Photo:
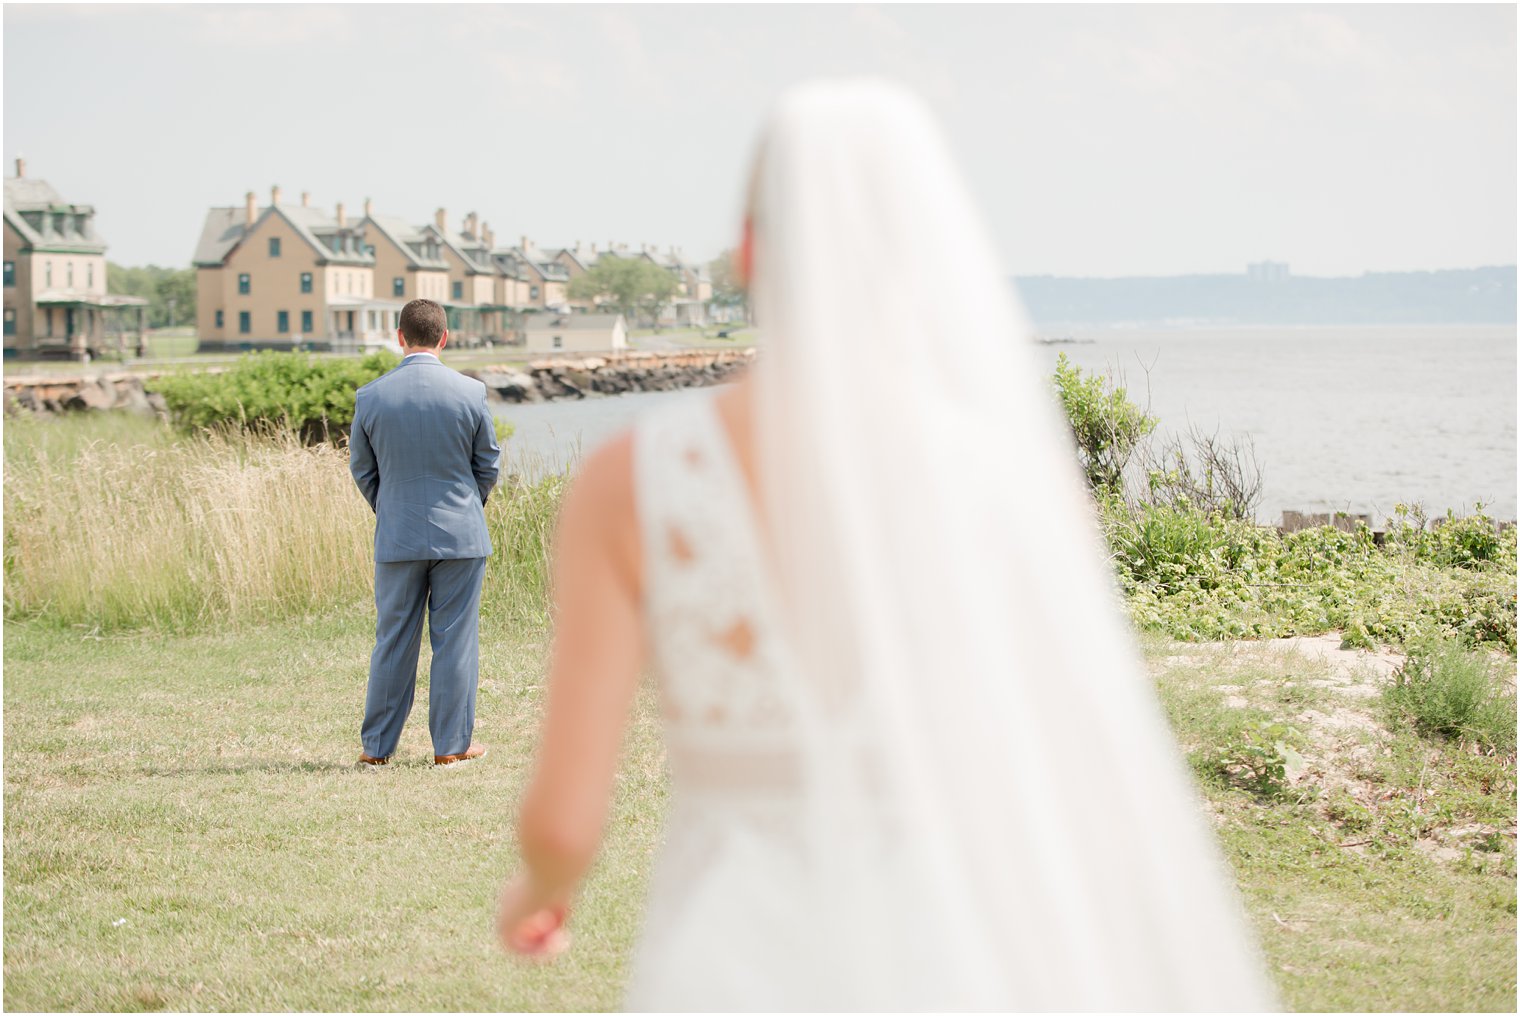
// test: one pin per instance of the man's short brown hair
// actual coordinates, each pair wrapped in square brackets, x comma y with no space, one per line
[423,323]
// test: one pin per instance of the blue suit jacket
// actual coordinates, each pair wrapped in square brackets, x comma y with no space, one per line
[423,452]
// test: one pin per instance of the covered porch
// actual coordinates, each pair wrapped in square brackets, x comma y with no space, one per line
[84,327]
[360,324]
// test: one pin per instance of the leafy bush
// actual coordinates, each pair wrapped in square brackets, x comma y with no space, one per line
[1198,576]
[1107,425]
[270,391]
[1263,760]
[1444,690]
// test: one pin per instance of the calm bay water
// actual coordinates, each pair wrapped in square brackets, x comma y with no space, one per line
[1347,419]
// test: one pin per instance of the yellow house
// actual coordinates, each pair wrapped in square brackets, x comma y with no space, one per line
[475,314]
[409,262]
[288,276]
[55,279]
[544,280]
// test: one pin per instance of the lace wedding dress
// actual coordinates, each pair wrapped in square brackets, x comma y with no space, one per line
[915,762]
[718,931]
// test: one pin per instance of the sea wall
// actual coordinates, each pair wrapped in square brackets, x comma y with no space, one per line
[611,374]
[74,393]
[566,377]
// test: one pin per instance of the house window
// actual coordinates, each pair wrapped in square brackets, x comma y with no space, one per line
[89,275]
[10,321]
[245,322]
[68,271]
[459,290]
[10,273]
[282,322]
[306,322]
[559,343]
[533,293]
[306,282]
[274,246]
[47,274]
[398,286]
[244,285]
[219,319]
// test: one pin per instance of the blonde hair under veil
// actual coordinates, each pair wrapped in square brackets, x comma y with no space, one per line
[998,816]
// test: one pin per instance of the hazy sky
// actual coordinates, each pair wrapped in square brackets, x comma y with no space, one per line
[1100,140]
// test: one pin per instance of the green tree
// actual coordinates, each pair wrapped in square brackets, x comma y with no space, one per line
[1107,425]
[631,285]
[727,289]
[170,292]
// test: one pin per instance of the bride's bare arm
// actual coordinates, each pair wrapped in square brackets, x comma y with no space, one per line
[598,655]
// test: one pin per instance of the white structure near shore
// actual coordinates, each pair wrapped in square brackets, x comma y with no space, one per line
[581,333]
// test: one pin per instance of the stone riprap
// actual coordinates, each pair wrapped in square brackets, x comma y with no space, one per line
[611,374]
[75,393]
[542,380]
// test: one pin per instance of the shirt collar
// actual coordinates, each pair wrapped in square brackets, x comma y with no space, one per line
[412,356]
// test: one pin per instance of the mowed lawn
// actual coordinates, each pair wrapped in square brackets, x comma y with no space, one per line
[185,829]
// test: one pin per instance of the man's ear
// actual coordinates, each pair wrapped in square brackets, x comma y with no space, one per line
[445,340]
[400,339]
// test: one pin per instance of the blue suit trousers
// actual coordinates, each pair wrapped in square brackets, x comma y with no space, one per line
[448,591]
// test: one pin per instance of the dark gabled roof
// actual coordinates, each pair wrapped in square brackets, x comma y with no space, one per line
[225,228]
[546,269]
[30,205]
[321,229]
[473,253]
[403,235]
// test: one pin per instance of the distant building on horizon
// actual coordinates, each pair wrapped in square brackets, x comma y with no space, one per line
[1267,271]
[56,302]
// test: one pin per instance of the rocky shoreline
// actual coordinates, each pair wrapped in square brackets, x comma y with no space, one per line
[542,380]
[610,374]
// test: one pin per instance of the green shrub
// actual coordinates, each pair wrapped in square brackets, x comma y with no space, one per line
[270,391]
[1445,690]
[1107,425]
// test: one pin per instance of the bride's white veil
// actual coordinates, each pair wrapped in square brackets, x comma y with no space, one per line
[974,696]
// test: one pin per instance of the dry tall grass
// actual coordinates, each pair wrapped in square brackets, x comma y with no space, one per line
[221,528]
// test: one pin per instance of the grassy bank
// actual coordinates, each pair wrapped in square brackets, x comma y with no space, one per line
[184,828]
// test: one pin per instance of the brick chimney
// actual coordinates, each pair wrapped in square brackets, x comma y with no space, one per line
[486,236]
[253,209]
[526,244]
[306,199]
[274,194]
[441,217]
[342,219]
[20,168]
[472,225]
[368,208]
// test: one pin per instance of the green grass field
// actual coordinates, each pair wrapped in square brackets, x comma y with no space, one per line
[185,829]
[186,646]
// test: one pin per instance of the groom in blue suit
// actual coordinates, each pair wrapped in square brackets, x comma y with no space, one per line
[423,452]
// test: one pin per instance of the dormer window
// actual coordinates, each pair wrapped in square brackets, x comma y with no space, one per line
[60,224]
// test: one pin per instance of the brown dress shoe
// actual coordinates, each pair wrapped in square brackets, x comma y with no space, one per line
[471,753]
[370,760]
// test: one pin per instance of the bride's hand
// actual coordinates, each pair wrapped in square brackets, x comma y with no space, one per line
[529,924]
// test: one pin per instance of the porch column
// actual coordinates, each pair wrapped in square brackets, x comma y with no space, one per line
[78,338]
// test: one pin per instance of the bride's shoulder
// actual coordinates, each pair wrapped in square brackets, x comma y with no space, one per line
[599,506]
